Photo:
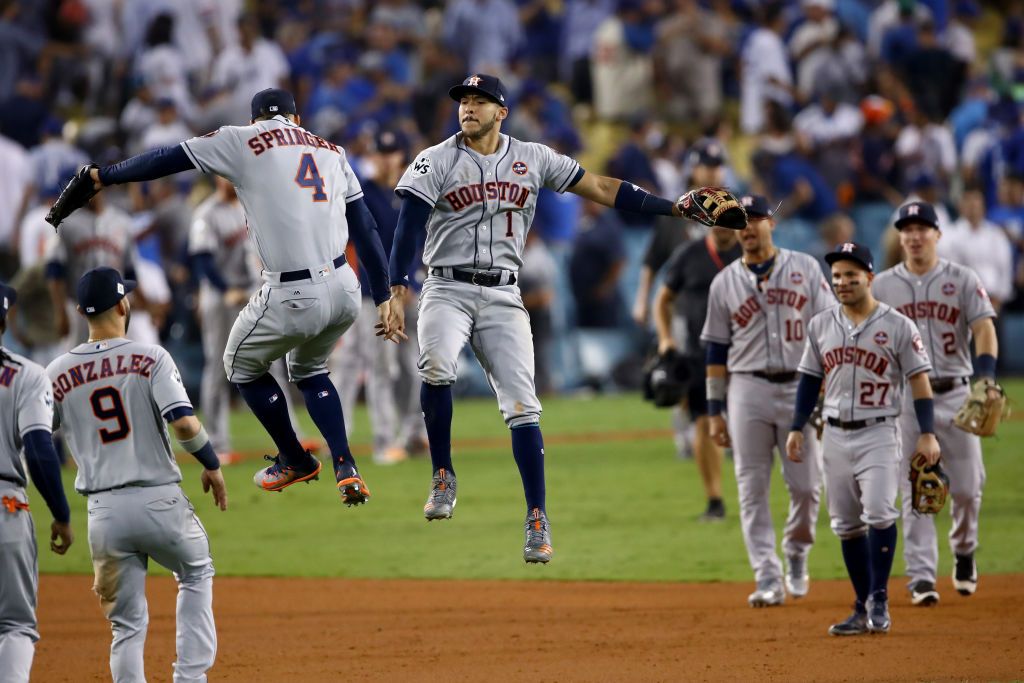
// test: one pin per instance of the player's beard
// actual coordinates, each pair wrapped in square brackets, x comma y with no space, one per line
[485,128]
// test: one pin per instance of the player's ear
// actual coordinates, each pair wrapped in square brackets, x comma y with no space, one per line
[297,119]
[503,113]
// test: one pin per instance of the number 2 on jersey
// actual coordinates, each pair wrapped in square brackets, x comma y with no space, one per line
[107,405]
[308,176]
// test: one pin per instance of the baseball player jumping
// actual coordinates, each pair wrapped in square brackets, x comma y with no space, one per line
[866,352]
[475,194]
[114,396]
[302,202]
[26,417]
[950,306]
[758,310]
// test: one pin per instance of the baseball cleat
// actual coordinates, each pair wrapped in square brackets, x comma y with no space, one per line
[538,538]
[878,615]
[923,594]
[351,486]
[279,476]
[965,574]
[855,625]
[441,501]
[714,513]
[769,593]
[797,581]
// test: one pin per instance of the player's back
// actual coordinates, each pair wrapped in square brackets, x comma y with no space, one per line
[88,240]
[25,404]
[293,185]
[111,397]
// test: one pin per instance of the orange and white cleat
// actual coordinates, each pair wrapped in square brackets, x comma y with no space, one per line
[279,476]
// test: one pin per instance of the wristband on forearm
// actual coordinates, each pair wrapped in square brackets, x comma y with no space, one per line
[985,366]
[807,391]
[924,408]
[635,199]
[714,388]
[200,447]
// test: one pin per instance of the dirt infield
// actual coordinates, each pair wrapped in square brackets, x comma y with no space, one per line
[331,630]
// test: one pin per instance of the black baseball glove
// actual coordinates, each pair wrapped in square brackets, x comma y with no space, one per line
[714,207]
[665,379]
[79,190]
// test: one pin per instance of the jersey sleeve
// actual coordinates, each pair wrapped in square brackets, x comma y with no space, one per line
[354,190]
[168,390]
[216,152]
[35,401]
[424,176]
[557,170]
[717,327]
[810,361]
[912,354]
[974,299]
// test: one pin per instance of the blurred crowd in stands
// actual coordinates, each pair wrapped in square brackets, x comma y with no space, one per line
[840,110]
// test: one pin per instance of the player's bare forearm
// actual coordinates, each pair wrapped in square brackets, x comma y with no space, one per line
[663,318]
[920,387]
[716,371]
[597,188]
[985,339]
[186,427]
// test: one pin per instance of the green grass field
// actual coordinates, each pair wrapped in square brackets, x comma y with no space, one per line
[620,509]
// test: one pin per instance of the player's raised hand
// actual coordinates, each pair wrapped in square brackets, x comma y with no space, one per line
[61,537]
[928,446]
[719,431]
[214,479]
[795,446]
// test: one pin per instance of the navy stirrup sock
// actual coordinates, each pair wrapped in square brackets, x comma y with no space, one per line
[324,406]
[528,450]
[436,402]
[882,551]
[856,555]
[265,399]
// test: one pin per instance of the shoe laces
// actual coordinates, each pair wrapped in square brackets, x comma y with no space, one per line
[278,467]
[441,487]
[536,528]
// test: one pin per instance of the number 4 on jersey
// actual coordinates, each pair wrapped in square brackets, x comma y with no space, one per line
[308,176]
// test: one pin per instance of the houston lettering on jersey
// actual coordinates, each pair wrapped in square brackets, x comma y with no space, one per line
[776,296]
[935,310]
[7,373]
[98,244]
[91,371]
[288,137]
[845,355]
[477,193]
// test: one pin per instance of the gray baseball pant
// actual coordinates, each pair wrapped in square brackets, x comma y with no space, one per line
[19,578]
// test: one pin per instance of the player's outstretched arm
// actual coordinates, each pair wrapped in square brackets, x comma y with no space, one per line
[806,397]
[194,439]
[44,467]
[924,408]
[618,194]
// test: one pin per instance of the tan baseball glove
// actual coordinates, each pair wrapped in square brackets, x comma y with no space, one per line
[713,207]
[929,486]
[981,413]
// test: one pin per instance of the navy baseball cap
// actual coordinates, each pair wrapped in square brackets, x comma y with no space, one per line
[387,141]
[851,251]
[8,295]
[917,212]
[481,84]
[271,102]
[757,206]
[101,288]
[708,154]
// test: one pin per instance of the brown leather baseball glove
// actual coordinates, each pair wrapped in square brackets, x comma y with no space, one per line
[713,207]
[981,413]
[929,486]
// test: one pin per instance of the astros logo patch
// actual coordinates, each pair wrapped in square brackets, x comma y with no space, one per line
[949,289]
[796,278]
[520,168]
[881,338]
[982,293]
[918,344]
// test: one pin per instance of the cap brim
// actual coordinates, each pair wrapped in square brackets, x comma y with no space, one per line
[914,219]
[832,257]
[459,91]
[129,286]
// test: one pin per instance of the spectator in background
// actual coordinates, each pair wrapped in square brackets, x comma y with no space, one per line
[484,33]
[542,28]
[877,175]
[49,162]
[161,66]
[887,15]
[982,246]
[933,76]
[622,67]
[251,65]
[925,147]
[827,132]
[634,163]
[581,21]
[900,38]
[959,35]
[537,282]
[842,65]
[137,116]
[595,267]
[691,44]
[20,48]
[835,230]
[810,43]
[404,16]
[765,74]
[16,170]
[1009,214]
[168,129]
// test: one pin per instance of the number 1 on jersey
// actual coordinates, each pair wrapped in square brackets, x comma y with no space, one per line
[308,176]
[508,224]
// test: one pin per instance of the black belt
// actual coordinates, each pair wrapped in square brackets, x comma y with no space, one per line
[776,377]
[12,480]
[304,274]
[475,278]
[944,385]
[856,424]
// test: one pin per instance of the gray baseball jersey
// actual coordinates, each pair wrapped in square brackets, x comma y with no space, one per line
[944,303]
[26,400]
[218,228]
[112,396]
[87,240]
[865,366]
[483,205]
[765,327]
[294,225]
